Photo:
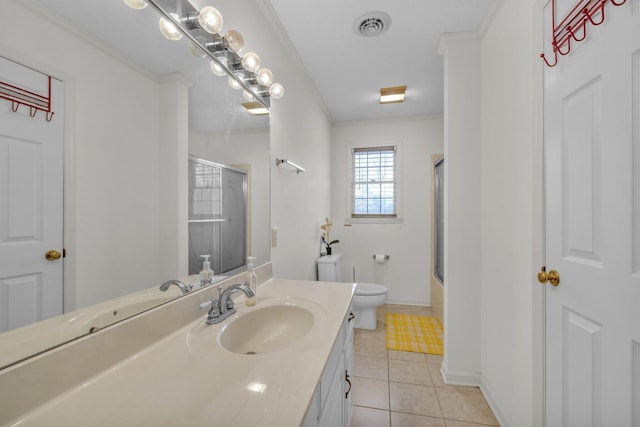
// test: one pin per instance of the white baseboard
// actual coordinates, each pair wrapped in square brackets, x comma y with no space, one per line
[488,395]
[474,380]
[459,378]
[405,301]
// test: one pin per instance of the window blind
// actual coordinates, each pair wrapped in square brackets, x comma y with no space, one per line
[373,184]
[206,193]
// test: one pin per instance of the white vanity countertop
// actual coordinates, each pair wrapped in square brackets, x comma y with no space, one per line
[187,379]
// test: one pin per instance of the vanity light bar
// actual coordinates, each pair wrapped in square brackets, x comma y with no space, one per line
[181,14]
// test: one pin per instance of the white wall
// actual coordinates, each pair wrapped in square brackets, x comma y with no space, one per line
[509,351]
[462,292]
[300,131]
[511,172]
[112,183]
[299,202]
[407,273]
[173,145]
[250,147]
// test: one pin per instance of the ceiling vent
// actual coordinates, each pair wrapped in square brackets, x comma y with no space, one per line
[372,24]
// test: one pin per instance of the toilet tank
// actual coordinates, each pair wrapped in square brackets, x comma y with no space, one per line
[330,268]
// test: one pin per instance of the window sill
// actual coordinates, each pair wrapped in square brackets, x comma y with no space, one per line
[349,221]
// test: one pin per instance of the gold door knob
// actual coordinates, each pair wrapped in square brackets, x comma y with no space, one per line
[52,255]
[552,276]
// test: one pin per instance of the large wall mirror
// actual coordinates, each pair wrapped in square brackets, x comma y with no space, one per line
[136,106]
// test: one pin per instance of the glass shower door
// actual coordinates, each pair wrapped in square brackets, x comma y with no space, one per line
[217,215]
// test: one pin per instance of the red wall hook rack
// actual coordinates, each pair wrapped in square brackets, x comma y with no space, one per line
[19,96]
[573,27]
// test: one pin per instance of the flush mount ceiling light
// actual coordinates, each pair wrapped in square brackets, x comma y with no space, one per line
[202,28]
[390,95]
[372,24]
[255,108]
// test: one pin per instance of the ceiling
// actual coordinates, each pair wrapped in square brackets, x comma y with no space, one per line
[348,69]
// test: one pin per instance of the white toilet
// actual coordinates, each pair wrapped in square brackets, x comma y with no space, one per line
[367,297]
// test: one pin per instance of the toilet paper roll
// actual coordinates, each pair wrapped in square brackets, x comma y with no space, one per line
[380,258]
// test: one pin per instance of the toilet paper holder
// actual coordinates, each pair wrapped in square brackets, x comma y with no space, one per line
[385,257]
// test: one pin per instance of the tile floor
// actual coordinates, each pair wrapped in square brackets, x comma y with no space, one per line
[404,389]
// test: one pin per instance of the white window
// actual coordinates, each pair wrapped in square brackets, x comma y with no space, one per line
[206,191]
[374,182]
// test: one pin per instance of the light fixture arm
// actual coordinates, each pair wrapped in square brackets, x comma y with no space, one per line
[187,22]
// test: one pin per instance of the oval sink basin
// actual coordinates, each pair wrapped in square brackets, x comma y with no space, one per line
[264,330]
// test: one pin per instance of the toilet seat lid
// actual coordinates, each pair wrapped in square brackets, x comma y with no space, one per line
[368,289]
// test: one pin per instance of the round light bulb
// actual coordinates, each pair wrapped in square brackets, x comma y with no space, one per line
[265,77]
[234,83]
[195,50]
[168,29]
[251,62]
[233,41]
[217,69]
[136,4]
[276,91]
[248,95]
[210,20]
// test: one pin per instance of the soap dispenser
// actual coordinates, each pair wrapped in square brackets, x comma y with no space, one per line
[206,275]
[252,281]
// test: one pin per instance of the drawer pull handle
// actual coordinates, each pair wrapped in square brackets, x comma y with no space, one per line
[346,377]
[351,316]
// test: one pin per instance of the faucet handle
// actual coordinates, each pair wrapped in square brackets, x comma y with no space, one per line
[214,311]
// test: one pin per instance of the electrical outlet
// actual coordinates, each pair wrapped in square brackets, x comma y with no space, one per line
[274,237]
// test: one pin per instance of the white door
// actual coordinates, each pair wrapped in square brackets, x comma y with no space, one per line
[31,183]
[592,165]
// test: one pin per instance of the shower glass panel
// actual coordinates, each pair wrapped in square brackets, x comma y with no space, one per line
[217,216]
[439,220]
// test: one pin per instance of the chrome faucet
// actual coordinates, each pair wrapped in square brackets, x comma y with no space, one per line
[222,307]
[184,288]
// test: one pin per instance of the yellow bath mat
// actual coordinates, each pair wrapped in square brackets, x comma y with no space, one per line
[420,334]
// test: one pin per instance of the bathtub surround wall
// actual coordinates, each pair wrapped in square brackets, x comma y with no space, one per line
[406,273]
[113,162]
